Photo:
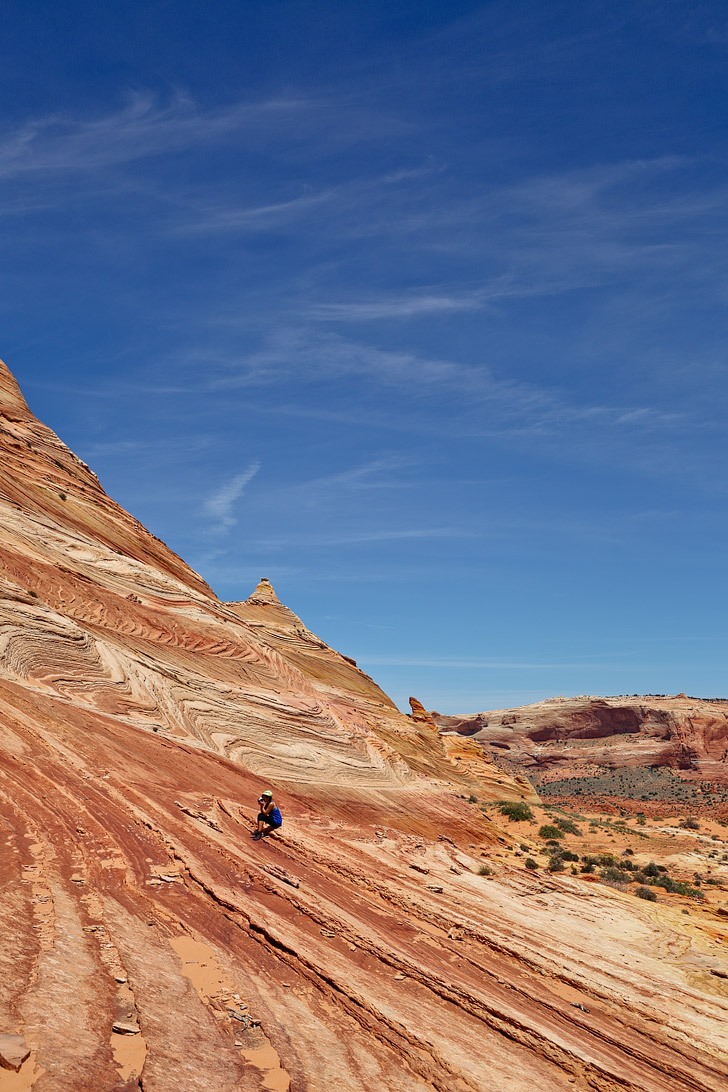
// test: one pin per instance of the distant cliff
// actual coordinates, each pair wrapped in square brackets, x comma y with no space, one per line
[567,738]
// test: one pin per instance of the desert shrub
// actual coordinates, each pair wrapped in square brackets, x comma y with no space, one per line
[645,893]
[690,823]
[485,870]
[549,832]
[531,864]
[628,853]
[588,867]
[615,875]
[556,864]
[517,810]
[525,848]
[567,855]
[651,869]
[34,594]
[568,826]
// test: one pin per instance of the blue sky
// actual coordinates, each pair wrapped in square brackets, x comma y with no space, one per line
[418,309]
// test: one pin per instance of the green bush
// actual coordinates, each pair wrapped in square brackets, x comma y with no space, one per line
[645,893]
[615,875]
[568,826]
[485,870]
[516,810]
[531,864]
[549,832]
[651,869]
[556,864]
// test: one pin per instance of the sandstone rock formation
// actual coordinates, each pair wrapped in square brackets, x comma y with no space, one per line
[561,736]
[147,942]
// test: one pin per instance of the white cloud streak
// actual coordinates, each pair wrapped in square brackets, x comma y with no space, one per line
[142,129]
[364,536]
[219,506]
[496,665]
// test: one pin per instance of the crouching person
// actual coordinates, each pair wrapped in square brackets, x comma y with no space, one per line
[269,816]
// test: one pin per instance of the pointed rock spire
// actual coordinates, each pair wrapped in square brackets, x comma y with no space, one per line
[10,393]
[265,593]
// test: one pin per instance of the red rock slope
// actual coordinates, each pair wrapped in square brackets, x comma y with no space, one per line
[147,942]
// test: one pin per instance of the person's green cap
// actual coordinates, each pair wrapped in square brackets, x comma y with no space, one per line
[266,792]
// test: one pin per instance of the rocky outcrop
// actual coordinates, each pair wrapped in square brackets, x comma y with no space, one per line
[562,736]
[147,941]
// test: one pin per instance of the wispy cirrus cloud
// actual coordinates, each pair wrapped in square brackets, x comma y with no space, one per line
[150,127]
[145,128]
[310,357]
[219,506]
[364,536]
[447,662]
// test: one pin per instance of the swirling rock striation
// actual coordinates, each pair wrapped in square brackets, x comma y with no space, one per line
[148,943]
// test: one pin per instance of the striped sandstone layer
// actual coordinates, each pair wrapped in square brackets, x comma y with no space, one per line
[148,943]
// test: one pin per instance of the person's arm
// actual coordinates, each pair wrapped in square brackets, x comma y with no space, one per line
[268,808]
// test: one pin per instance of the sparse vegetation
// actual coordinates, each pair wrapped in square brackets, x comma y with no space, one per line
[531,865]
[568,826]
[549,832]
[485,870]
[638,783]
[646,893]
[516,810]
[615,875]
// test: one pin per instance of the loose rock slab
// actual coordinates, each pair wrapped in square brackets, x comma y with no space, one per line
[13,1051]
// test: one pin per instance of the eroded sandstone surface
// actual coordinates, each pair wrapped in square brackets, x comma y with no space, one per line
[147,942]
